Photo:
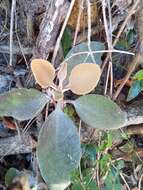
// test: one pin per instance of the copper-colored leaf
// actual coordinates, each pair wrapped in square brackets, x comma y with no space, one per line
[84,78]
[43,72]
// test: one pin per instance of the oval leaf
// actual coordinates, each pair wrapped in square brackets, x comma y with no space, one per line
[74,57]
[22,104]
[135,89]
[58,149]
[43,72]
[139,75]
[99,112]
[84,78]
[10,175]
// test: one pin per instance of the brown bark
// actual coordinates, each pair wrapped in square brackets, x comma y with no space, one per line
[134,113]
[49,28]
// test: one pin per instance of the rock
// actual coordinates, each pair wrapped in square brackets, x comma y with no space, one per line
[5,82]
[3,130]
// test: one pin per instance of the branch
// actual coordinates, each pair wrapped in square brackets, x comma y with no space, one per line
[16,145]
[13,6]
[16,50]
[49,29]
[134,113]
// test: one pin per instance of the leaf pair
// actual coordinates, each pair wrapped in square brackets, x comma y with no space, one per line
[82,80]
[87,76]
[95,110]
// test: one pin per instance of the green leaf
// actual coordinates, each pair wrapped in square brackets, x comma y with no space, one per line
[120,165]
[90,183]
[135,89]
[22,104]
[89,152]
[70,111]
[122,45]
[58,149]
[77,186]
[66,41]
[10,175]
[112,181]
[85,56]
[87,182]
[131,36]
[99,112]
[109,141]
[104,164]
[139,75]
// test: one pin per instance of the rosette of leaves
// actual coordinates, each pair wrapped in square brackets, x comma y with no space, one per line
[58,150]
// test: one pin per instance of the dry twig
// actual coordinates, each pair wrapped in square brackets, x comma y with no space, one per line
[62,31]
[13,6]
[131,12]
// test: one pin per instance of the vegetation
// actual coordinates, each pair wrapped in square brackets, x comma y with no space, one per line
[71,95]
